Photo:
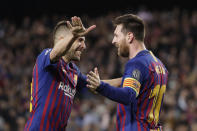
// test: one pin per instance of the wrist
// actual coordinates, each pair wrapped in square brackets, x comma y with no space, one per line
[101,86]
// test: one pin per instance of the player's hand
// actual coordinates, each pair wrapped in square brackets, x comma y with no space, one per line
[77,28]
[93,80]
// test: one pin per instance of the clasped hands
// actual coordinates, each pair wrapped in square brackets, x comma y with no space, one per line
[93,80]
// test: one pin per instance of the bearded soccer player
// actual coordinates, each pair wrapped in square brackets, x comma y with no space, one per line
[56,77]
[144,81]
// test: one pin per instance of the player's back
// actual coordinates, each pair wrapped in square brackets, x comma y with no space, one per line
[144,112]
[151,94]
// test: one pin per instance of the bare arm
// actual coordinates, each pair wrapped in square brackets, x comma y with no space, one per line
[114,82]
[61,48]
[75,30]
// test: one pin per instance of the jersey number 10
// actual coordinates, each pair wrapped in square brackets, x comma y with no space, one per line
[157,95]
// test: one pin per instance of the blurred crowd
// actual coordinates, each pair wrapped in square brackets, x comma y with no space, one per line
[171,35]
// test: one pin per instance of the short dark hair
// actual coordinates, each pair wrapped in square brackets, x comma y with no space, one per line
[131,23]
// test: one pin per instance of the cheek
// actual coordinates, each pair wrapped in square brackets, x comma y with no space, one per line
[123,46]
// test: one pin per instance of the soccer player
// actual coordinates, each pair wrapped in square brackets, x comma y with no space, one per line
[55,78]
[144,81]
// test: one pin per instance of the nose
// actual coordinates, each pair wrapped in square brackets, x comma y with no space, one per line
[113,41]
[83,45]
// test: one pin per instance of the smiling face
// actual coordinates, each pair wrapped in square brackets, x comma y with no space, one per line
[74,53]
[120,42]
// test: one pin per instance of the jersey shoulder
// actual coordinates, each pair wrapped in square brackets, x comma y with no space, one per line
[45,52]
[75,67]
[137,62]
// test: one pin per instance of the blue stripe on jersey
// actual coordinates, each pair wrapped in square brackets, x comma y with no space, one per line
[51,109]
[57,114]
[69,111]
[49,105]
[63,110]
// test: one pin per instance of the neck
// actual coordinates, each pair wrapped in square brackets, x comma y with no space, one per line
[66,59]
[135,48]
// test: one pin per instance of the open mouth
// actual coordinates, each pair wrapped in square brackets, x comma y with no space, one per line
[79,49]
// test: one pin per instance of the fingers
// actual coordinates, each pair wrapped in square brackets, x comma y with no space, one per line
[88,30]
[91,87]
[78,28]
[92,82]
[96,71]
[79,21]
[96,76]
[69,25]
[74,21]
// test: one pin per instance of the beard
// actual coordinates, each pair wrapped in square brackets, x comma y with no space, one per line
[123,49]
[75,55]
[124,52]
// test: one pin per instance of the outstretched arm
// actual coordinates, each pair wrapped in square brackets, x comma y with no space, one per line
[124,95]
[73,32]
[114,82]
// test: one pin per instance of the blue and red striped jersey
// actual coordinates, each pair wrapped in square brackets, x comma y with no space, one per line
[147,76]
[53,89]
[141,93]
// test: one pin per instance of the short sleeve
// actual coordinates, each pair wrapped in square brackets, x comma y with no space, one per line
[44,59]
[134,76]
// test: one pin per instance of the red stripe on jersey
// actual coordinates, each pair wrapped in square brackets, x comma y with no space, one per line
[117,129]
[72,78]
[68,111]
[67,105]
[36,102]
[57,108]
[64,115]
[46,105]
[138,126]
[62,93]
[124,116]
[151,101]
[149,90]
[69,100]
[144,104]
[119,116]
[52,106]
[65,98]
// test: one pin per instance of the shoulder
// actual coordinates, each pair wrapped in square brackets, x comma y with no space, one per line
[135,63]
[45,52]
[75,67]
[163,66]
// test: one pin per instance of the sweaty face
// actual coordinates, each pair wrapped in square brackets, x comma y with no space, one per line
[119,41]
[76,49]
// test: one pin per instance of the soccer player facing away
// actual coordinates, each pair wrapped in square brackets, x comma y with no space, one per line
[144,81]
[56,77]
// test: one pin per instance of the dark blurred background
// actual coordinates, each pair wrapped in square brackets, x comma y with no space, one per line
[35,8]
[25,30]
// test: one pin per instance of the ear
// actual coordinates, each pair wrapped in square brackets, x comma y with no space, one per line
[130,37]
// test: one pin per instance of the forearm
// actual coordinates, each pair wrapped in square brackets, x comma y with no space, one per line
[121,95]
[114,82]
[61,48]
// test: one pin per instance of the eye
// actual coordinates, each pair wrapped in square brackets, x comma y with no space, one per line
[81,39]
